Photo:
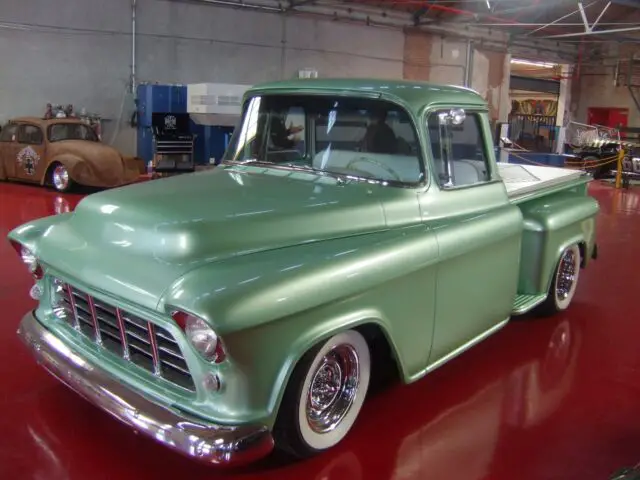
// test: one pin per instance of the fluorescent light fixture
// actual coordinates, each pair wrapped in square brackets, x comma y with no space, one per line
[533,64]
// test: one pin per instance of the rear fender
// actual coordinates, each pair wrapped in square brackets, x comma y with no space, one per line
[551,224]
[74,165]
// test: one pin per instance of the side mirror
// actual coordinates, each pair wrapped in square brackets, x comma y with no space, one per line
[455,116]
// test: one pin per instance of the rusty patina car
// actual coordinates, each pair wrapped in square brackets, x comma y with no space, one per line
[61,153]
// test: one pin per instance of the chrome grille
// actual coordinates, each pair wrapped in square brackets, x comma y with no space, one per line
[134,339]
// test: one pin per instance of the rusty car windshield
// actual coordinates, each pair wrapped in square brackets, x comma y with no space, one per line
[71,131]
[353,137]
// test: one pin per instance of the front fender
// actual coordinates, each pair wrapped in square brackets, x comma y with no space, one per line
[30,233]
[271,307]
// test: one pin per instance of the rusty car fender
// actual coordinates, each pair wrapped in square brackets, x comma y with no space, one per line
[71,162]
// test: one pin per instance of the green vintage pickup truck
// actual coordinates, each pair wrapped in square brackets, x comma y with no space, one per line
[354,226]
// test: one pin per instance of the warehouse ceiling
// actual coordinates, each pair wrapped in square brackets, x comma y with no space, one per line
[559,20]
[589,30]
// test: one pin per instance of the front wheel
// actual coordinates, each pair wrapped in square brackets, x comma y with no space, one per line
[324,395]
[564,282]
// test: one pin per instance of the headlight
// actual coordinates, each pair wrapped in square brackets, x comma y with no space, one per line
[203,338]
[29,259]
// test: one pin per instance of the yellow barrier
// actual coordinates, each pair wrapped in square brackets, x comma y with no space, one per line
[619,172]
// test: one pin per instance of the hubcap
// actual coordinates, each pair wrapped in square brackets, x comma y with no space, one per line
[566,275]
[60,177]
[333,388]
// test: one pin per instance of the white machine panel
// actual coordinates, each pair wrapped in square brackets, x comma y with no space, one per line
[215,103]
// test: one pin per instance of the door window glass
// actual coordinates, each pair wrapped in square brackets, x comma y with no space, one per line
[30,135]
[458,150]
[8,132]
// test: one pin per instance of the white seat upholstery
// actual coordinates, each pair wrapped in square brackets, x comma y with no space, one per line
[406,168]
[468,172]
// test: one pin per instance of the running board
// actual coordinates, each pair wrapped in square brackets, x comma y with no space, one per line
[526,303]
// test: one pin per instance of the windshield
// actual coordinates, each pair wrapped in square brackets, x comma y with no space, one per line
[71,131]
[365,138]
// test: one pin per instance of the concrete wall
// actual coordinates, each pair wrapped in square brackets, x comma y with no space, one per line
[79,52]
[595,89]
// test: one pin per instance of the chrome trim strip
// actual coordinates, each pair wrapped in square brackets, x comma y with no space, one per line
[94,319]
[76,317]
[123,335]
[154,348]
[195,438]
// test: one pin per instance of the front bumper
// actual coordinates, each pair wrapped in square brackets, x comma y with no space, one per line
[205,442]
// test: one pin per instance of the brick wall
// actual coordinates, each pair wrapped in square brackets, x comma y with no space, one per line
[429,57]
[417,55]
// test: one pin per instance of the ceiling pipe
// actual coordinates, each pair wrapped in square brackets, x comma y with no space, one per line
[468,66]
[501,21]
[133,46]
[375,17]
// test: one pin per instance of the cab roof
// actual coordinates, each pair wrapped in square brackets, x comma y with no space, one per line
[415,94]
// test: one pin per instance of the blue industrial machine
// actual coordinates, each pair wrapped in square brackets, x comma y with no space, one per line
[152,99]
[210,142]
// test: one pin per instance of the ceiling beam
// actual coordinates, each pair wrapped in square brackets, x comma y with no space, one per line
[627,3]
[595,32]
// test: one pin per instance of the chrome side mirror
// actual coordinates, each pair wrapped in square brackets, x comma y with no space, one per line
[455,116]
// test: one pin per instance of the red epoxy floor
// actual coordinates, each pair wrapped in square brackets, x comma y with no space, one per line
[543,399]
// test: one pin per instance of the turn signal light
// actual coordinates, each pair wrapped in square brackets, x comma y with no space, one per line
[203,338]
[28,258]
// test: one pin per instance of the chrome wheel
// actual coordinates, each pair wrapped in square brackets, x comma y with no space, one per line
[566,278]
[566,275]
[334,383]
[60,178]
[333,388]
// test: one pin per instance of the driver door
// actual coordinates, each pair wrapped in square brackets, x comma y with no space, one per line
[478,232]
[29,160]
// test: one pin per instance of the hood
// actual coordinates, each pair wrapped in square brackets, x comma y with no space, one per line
[148,232]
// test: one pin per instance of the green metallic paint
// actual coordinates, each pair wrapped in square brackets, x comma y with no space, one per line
[552,224]
[277,261]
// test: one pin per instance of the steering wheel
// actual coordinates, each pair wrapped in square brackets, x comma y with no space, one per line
[376,163]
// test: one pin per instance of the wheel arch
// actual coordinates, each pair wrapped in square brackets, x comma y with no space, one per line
[372,327]
[574,240]
[69,161]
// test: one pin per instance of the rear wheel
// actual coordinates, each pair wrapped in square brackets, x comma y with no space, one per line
[324,395]
[564,282]
[60,178]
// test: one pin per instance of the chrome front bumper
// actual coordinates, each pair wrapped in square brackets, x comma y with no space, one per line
[205,442]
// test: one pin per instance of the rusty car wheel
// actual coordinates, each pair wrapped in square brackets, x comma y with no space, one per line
[324,395]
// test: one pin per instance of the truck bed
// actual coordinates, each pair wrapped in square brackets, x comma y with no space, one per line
[526,181]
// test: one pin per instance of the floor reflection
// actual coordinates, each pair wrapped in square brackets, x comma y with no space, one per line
[553,398]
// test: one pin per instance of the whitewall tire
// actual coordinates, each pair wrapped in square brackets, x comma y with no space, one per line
[324,395]
[565,281]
